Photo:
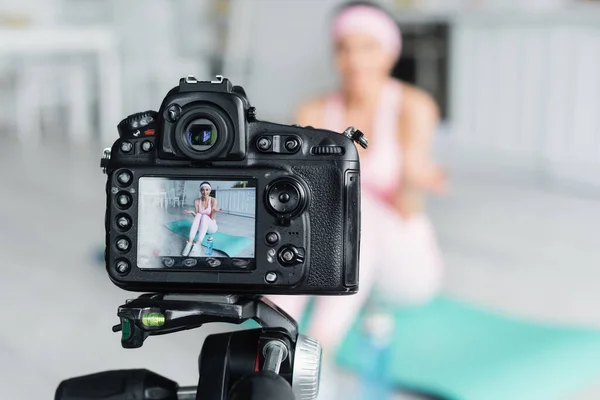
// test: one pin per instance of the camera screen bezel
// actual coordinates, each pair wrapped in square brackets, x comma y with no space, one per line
[248,280]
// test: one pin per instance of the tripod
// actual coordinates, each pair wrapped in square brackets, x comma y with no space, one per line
[267,363]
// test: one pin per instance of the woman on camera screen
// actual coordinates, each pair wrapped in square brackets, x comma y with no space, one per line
[205,210]
[399,252]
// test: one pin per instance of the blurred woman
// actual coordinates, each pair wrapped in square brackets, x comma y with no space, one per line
[399,252]
[205,209]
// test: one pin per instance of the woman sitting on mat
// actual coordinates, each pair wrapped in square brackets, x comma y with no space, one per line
[204,218]
[399,251]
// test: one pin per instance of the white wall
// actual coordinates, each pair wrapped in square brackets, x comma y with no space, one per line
[524,85]
[287,58]
[528,91]
[237,201]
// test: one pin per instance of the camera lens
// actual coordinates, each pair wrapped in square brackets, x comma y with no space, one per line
[201,134]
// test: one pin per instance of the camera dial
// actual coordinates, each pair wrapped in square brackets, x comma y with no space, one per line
[286,197]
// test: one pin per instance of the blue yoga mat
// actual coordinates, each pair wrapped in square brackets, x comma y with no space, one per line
[229,244]
[460,352]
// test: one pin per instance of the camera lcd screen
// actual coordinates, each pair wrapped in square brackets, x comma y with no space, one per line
[196,224]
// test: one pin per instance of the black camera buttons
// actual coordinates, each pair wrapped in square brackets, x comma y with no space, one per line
[213,262]
[168,262]
[292,145]
[264,143]
[289,255]
[271,254]
[123,244]
[147,146]
[189,262]
[124,200]
[272,238]
[284,197]
[122,267]
[240,263]
[124,177]
[271,277]
[123,222]
[126,147]
[172,113]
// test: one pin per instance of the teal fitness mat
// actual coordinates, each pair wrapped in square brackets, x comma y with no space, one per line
[228,244]
[460,352]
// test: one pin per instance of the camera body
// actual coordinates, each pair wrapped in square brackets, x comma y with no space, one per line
[265,208]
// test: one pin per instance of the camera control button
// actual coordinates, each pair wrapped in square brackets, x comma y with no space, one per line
[189,262]
[284,197]
[124,222]
[124,177]
[126,147]
[264,144]
[123,267]
[287,255]
[290,255]
[271,277]
[172,113]
[292,144]
[124,200]
[168,262]
[271,254]
[147,146]
[272,238]
[327,150]
[123,244]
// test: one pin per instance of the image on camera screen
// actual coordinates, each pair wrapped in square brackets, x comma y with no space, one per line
[201,224]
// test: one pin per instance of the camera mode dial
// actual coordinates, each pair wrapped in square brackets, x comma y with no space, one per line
[138,124]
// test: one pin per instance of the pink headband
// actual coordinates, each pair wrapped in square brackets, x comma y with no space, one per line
[372,21]
[205,185]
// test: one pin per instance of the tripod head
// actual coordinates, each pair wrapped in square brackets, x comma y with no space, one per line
[273,361]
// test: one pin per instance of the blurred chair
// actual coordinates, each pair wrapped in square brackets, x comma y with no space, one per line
[53,96]
[174,198]
[54,81]
[161,200]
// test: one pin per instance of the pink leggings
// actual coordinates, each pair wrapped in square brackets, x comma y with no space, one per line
[399,256]
[202,224]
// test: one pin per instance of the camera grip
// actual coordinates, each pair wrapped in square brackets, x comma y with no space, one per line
[134,384]
[325,183]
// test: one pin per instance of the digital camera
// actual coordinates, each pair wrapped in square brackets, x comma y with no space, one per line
[202,197]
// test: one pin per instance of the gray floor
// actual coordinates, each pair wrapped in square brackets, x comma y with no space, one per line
[513,247]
